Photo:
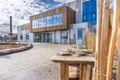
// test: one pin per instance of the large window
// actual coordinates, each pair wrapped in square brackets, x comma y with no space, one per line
[33,24]
[40,25]
[53,20]
[44,21]
[27,35]
[84,17]
[57,19]
[49,21]
[89,11]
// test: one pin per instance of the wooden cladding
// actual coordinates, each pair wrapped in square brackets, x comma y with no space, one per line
[25,27]
[68,17]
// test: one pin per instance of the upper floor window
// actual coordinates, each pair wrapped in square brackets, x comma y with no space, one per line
[94,16]
[89,11]
[40,21]
[84,17]
[57,19]
[49,21]
[44,22]
[53,20]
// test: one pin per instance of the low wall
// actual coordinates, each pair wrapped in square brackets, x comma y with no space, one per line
[19,48]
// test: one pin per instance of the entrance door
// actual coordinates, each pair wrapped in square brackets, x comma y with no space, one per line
[47,37]
[80,35]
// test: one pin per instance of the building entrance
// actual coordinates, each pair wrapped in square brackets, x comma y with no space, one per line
[44,37]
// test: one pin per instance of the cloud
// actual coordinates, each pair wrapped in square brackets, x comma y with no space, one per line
[64,1]
[20,10]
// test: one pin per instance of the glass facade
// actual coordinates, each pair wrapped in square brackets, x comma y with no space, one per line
[53,20]
[89,12]
[44,37]
[27,35]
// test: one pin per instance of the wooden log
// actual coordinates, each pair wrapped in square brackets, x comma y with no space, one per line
[64,71]
[103,41]
[113,39]
[98,36]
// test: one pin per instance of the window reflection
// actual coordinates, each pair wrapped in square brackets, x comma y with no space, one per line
[48,21]
[40,25]
[89,12]
[44,22]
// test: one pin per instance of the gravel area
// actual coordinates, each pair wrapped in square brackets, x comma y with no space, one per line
[33,64]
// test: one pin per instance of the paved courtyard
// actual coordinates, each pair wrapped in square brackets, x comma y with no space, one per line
[33,64]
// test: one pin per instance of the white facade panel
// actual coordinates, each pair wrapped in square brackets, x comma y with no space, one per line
[23,34]
[74,31]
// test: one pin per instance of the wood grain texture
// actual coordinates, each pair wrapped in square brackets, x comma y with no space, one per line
[104,39]
[88,72]
[25,27]
[98,36]
[84,71]
[64,71]
[81,72]
[113,39]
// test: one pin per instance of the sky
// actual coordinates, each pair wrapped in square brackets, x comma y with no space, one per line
[21,10]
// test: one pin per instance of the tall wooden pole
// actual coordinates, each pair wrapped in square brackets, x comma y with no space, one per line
[10,31]
[104,39]
[98,38]
[114,37]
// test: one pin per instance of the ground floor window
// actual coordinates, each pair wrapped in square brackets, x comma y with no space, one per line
[43,37]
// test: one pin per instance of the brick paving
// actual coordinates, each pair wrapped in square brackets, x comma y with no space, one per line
[33,64]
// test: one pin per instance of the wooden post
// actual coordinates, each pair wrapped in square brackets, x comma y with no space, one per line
[113,39]
[104,37]
[98,36]
[64,71]
[10,31]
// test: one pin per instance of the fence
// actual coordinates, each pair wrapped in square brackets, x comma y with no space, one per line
[90,40]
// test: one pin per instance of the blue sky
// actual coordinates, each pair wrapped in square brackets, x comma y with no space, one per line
[21,10]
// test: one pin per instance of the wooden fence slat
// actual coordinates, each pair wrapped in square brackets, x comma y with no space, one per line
[90,41]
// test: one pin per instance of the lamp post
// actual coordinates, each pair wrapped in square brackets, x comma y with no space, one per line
[10,31]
